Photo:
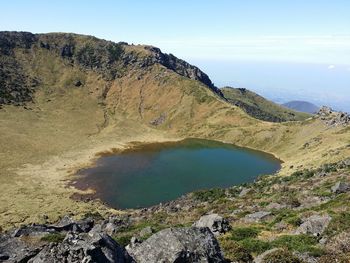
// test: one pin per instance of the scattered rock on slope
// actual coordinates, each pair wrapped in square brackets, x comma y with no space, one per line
[178,245]
[217,224]
[315,224]
[333,118]
[341,187]
[91,247]
[257,216]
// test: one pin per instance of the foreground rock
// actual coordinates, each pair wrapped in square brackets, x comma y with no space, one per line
[314,225]
[91,247]
[178,245]
[217,224]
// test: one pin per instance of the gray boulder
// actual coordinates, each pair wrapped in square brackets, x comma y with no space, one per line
[217,224]
[341,187]
[244,192]
[257,217]
[15,249]
[110,229]
[83,247]
[315,225]
[179,245]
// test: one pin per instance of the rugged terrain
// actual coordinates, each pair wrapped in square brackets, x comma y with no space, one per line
[65,98]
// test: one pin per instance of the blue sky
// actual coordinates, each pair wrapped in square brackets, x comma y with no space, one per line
[290,30]
[211,33]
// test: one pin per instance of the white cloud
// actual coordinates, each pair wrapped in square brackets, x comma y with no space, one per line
[312,49]
[331,67]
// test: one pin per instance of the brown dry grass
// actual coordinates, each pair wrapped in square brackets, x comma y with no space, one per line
[67,126]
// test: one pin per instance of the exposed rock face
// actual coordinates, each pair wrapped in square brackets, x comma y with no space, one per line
[315,225]
[91,247]
[178,245]
[217,224]
[182,67]
[333,118]
[341,187]
[72,242]
[15,249]
[107,58]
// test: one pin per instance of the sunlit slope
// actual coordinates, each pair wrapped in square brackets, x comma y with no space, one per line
[261,108]
[71,107]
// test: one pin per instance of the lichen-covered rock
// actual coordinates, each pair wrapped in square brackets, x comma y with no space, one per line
[341,187]
[217,224]
[315,225]
[179,245]
[257,216]
[76,248]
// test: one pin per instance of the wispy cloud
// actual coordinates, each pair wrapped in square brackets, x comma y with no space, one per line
[325,49]
[331,67]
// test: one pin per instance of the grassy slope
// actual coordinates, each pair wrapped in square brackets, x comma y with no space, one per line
[68,125]
[260,107]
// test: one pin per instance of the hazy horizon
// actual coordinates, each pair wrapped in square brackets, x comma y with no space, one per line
[282,82]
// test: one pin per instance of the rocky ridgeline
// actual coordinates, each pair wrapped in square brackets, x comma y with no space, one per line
[333,118]
[111,60]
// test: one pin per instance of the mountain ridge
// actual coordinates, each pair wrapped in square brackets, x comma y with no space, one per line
[259,107]
[110,59]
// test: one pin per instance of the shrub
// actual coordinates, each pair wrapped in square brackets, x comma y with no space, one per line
[240,233]
[123,240]
[209,195]
[340,222]
[253,245]
[54,237]
[281,256]
[114,52]
[235,252]
[300,243]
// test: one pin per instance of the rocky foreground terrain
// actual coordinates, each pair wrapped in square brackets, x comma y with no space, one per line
[301,218]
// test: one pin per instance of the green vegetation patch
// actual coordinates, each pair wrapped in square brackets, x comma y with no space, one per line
[240,233]
[300,243]
[54,237]
[209,195]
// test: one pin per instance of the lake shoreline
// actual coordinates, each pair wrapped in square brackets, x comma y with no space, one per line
[94,183]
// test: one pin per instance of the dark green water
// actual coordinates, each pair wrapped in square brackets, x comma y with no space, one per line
[154,173]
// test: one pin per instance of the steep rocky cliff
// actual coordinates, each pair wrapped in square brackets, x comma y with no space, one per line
[110,60]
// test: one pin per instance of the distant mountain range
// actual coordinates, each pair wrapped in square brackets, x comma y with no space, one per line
[302,106]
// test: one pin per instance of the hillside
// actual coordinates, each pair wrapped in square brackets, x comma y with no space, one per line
[302,106]
[66,98]
[259,107]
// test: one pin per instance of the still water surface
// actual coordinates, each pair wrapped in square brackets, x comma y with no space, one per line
[149,174]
